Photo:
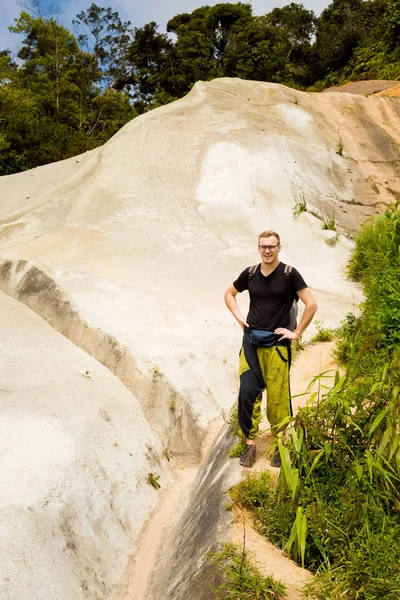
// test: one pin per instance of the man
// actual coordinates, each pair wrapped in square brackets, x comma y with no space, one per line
[265,355]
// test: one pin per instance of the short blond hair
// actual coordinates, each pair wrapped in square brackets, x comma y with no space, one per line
[270,233]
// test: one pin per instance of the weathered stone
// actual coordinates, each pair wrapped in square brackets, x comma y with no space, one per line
[184,570]
[330,237]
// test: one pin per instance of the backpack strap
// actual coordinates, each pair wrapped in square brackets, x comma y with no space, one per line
[288,270]
[252,270]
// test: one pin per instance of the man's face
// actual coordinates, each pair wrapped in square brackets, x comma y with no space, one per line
[268,249]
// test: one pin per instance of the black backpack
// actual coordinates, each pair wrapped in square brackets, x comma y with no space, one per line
[294,309]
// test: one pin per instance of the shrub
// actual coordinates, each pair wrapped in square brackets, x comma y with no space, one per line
[241,579]
[300,202]
[324,334]
[376,264]
[329,222]
[239,448]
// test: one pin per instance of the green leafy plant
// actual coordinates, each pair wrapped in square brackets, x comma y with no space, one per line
[300,202]
[375,263]
[253,491]
[329,222]
[238,449]
[298,536]
[346,332]
[153,480]
[241,579]
[324,334]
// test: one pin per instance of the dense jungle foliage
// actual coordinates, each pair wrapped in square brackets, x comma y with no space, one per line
[336,506]
[66,92]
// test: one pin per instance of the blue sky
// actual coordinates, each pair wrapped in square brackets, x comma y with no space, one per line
[138,12]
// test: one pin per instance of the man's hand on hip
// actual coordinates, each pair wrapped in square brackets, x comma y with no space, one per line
[242,322]
[286,334]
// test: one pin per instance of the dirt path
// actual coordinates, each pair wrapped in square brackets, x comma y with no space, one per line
[314,360]
[166,513]
[171,504]
[268,558]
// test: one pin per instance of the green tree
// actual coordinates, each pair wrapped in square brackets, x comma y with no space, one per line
[393,20]
[223,21]
[379,278]
[206,44]
[8,67]
[340,29]
[297,22]
[107,113]
[150,71]
[258,51]
[102,33]
[297,26]
[50,107]
[194,48]
[51,66]
[377,56]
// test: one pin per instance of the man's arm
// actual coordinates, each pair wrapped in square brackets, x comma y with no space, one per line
[310,308]
[230,301]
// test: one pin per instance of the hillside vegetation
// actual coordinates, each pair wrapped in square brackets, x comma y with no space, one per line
[68,92]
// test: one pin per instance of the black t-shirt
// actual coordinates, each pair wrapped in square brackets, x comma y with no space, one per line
[270,297]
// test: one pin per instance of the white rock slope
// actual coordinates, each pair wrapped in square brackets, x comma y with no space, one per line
[127,253]
[75,451]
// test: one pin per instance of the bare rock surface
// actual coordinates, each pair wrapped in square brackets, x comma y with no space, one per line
[330,238]
[365,88]
[126,251]
[391,92]
[76,452]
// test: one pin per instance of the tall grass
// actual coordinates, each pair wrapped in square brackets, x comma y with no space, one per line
[240,578]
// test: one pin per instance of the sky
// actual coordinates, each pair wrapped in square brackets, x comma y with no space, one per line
[138,12]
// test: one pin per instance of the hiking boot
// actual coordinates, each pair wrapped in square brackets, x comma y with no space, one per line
[249,456]
[276,460]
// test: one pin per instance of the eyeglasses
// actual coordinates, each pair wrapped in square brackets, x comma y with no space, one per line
[269,248]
